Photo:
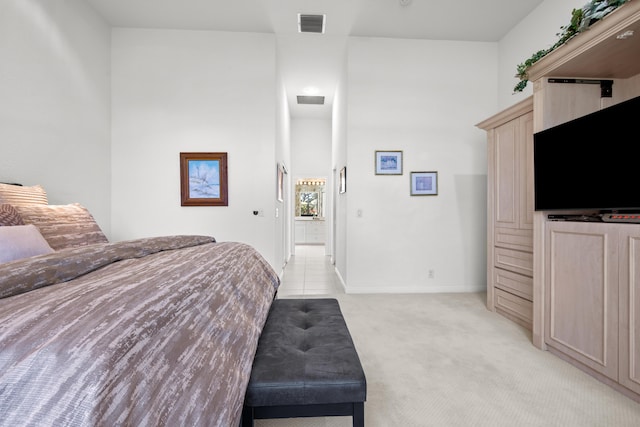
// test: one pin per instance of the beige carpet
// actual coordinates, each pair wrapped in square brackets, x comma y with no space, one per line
[444,360]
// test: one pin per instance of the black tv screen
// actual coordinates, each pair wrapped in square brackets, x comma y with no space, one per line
[590,163]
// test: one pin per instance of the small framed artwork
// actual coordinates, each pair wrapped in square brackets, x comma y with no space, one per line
[424,183]
[343,180]
[388,162]
[280,182]
[203,179]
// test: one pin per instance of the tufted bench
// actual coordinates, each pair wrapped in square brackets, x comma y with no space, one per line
[306,365]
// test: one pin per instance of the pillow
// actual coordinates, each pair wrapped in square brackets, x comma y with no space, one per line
[21,241]
[9,216]
[63,226]
[19,195]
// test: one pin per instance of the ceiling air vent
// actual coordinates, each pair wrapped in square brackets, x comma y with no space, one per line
[311,23]
[313,100]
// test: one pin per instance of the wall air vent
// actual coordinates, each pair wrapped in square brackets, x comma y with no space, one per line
[311,23]
[310,100]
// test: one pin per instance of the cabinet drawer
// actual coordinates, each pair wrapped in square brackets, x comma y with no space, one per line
[315,232]
[315,238]
[514,283]
[514,307]
[514,238]
[512,260]
[316,227]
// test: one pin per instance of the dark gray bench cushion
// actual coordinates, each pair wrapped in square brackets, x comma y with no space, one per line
[305,356]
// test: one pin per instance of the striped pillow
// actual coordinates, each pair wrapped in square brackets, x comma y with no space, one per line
[19,195]
[63,226]
[9,216]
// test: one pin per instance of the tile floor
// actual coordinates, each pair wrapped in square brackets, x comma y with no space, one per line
[309,272]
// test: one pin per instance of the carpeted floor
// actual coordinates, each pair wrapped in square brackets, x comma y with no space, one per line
[445,360]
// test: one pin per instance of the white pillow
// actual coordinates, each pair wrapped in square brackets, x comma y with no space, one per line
[21,241]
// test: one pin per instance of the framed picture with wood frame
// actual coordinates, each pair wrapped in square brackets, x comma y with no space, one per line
[343,180]
[280,182]
[388,162]
[203,179]
[424,183]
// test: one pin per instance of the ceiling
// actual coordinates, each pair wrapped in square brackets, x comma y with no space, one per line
[315,60]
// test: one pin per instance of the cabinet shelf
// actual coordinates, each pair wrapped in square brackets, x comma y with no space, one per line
[596,52]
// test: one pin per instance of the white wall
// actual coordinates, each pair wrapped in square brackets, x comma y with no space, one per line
[425,97]
[421,97]
[283,211]
[54,101]
[192,91]
[338,161]
[311,148]
[536,32]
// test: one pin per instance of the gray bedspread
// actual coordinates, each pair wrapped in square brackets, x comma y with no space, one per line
[150,332]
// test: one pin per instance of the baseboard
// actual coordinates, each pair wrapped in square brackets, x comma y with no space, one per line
[407,289]
[342,283]
[413,289]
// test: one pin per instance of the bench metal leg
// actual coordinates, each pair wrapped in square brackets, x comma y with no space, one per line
[247,417]
[358,414]
[355,410]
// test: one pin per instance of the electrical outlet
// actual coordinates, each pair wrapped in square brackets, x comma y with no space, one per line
[431,274]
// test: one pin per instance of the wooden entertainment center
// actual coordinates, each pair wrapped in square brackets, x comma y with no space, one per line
[576,285]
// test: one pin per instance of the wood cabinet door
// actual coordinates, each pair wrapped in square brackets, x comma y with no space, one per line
[630,307]
[526,173]
[506,183]
[581,293]
[513,202]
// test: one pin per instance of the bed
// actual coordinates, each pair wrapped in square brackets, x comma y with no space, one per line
[160,331]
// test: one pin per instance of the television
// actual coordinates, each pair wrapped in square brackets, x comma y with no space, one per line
[590,163]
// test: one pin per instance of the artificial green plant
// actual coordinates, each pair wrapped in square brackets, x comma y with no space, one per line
[581,20]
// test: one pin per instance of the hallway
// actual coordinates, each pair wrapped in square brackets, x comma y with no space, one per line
[309,272]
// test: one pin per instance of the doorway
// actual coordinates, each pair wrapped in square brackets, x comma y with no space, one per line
[310,212]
